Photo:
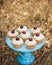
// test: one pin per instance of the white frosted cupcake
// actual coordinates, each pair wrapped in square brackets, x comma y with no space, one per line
[25,35]
[39,37]
[17,42]
[30,43]
[22,28]
[12,34]
[35,30]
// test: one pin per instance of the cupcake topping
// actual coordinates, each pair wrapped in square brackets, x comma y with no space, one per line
[37,34]
[30,39]
[24,32]
[21,26]
[34,28]
[17,38]
[13,31]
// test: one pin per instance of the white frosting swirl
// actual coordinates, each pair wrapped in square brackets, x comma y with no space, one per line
[12,34]
[20,41]
[39,37]
[22,29]
[33,42]
[25,35]
[35,31]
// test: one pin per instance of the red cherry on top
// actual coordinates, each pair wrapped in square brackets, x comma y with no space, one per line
[37,34]
[21,26]
[24,32]
[13,31]
[30,39]
[34,28]
[17,38]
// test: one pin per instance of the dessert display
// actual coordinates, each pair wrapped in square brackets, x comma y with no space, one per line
[24,35]
[35,30]
[12,34]
[25,43]
[30,43]
[39,37]
[17,42]
[22,28]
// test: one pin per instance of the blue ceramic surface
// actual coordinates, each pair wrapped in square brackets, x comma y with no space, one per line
[23,48]
[26,57]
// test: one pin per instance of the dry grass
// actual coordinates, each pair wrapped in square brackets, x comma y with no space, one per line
[30,13]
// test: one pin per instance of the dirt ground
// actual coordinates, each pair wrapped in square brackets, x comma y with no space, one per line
[30,13]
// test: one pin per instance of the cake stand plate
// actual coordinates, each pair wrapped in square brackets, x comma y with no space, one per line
[25,57]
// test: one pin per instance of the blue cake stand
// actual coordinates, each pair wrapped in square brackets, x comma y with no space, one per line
[25,57]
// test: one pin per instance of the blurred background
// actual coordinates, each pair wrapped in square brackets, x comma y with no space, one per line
[30,13]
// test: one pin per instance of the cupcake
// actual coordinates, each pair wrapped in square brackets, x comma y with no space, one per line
[12,34]
[30,43]
[39,37]
[17,42]
[35,30]
[25,35]
[22,28]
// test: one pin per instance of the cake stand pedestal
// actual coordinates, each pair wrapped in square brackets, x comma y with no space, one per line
[25,56]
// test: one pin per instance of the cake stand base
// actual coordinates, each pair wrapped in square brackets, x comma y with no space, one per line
[25,58]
